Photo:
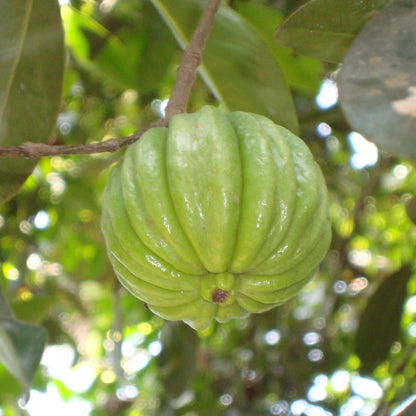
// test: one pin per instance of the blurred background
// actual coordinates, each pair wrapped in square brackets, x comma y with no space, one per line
[343,346]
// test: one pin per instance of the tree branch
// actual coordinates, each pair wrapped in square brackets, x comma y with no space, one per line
[178,100]
[35,150]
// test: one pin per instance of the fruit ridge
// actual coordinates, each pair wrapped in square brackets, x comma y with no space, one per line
[215,217]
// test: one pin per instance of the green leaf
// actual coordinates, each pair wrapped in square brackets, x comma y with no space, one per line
[325,29]
[178,357]
[237,65]
[157,52]
[302,74]
[33,310]
[377,82]
[411,209]
[380,322]
[128,56]
[9,357]
[5,311]
[21,349]
[21,346]
[31,72]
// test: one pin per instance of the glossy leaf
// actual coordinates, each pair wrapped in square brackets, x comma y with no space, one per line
[380,322]
[237,65]
[325,29]
[377,82]
[21,346]
[302,74]
[31,71]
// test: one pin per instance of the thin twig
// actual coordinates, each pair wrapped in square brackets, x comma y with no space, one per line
[191,59]
[35,150]
[117,335]
[178,101]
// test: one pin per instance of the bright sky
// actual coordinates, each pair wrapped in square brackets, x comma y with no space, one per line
[51,404]
[365,152]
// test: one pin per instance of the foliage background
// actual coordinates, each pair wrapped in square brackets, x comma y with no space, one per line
[343,346]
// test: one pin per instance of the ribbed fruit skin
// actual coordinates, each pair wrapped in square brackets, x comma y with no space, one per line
[215,217]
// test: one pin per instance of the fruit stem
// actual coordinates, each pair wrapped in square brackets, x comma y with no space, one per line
[191,59]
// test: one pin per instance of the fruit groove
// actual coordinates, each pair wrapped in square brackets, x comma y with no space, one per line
[215,217]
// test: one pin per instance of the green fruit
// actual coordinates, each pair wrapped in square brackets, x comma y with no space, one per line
[217,216]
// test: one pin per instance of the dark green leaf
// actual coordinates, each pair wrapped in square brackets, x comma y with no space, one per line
[377,81]
[31,72]
[380,322]
[411,209]
[324,29]
[303,74]
[157,53]
[21,346]
[134,56]
[178,357]
[237,65]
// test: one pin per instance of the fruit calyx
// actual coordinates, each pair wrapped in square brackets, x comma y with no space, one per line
[219,288]
[219,296]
